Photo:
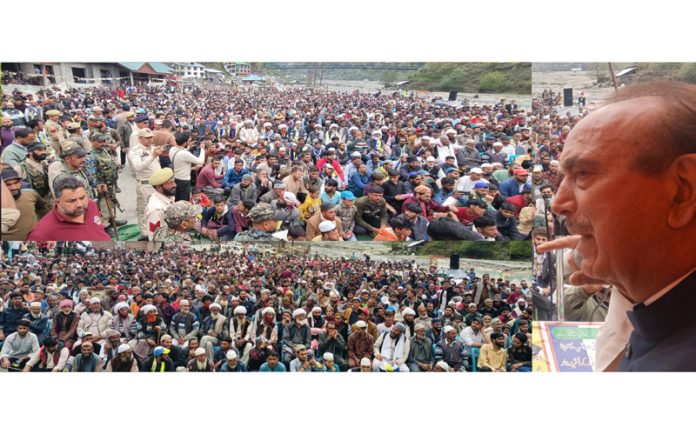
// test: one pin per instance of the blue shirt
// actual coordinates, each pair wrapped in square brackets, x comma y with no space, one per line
[335,199]
[279,368]
[233,178]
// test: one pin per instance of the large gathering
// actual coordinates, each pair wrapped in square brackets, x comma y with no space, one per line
[69,307]
[223,163]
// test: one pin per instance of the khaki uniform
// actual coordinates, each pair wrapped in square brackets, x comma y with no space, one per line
[81,140]
[56,135]
[144,165]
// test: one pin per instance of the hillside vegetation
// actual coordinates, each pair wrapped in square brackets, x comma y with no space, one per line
[474,78]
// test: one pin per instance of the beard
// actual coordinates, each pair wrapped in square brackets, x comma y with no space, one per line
[16,194]
[75,213]
[169,191]
[39,157]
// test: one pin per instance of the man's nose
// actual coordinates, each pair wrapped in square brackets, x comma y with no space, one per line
[564,200]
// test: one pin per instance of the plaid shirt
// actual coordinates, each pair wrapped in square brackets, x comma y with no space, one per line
[347,216]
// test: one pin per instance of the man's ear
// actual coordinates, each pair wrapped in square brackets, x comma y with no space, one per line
[683,208]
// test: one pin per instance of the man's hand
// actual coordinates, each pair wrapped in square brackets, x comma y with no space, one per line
[157,151]
[578,277]
[438,215]
[102,188]
[379,357]
[5,363]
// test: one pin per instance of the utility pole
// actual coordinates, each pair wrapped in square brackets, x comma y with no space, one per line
[613,76]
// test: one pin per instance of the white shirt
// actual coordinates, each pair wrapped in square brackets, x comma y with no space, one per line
[469,337]
[143,162]
[182,160]
[467,184]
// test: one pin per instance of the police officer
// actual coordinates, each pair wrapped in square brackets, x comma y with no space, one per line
[101,167]
[72,164]
[75,135]
[34,169]
[144,161]
[180,217]
[263,220]
[54,131]
[164,187]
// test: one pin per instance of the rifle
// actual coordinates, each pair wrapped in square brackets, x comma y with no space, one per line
[112,214]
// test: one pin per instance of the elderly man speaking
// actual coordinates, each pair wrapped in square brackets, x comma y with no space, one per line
[629,200]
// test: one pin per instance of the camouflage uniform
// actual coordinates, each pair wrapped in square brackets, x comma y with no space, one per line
[36,174]
[80,174]
[259,213]
[169,235]
[101,169]
[175,215]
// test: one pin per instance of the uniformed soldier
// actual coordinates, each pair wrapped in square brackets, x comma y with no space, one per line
[263,218]
[97,125]
[102,169]
[75,135]
[164,187]
[180,217]
[54,131]
[124,131]
[34,169]
[144,161]
[72,164]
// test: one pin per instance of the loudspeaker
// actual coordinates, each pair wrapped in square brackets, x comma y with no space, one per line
[454,262]
[452,96]
[568,97]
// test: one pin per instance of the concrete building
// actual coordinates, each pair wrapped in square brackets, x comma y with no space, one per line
[189,70]
[238,69]
[99,74]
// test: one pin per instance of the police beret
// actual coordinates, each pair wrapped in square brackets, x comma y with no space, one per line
[53,113]
[161,176]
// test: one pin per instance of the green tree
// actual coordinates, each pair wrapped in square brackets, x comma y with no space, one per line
[494,81]
[687,73]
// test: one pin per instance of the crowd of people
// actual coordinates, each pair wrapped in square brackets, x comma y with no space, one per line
[551,123]
[329,165]
[212,309]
